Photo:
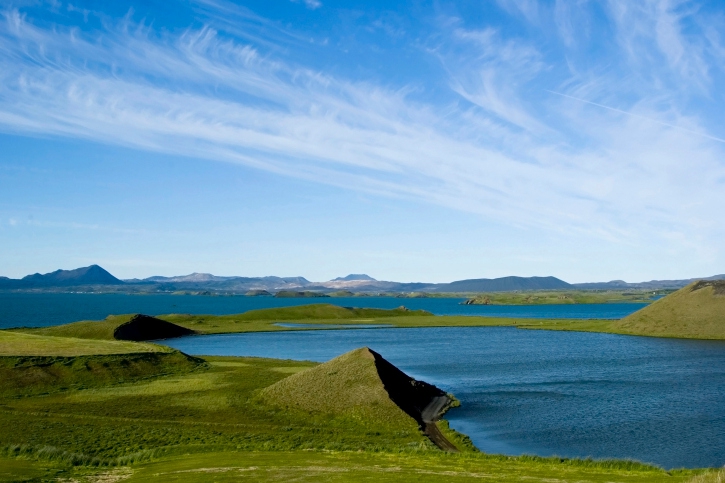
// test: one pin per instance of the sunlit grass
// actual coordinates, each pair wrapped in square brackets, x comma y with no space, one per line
[715,476]
[22,344]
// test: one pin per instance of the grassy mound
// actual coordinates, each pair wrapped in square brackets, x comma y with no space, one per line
[696,311]
[359,383]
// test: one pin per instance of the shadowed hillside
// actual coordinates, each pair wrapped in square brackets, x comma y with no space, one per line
[142,327]
[696,311]
[44,374]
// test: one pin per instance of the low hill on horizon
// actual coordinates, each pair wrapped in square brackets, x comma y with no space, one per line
[504,284]
[91,275]
[354,277]
[650,285]
[695,312]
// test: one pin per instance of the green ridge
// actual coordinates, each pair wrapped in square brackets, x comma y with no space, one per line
[696,311]
[347,385]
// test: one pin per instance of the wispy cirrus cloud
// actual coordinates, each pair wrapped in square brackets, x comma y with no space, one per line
[500,145]
[311,4]
[654,31]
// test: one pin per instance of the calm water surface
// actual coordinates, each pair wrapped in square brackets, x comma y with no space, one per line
[542,392]
[40,310]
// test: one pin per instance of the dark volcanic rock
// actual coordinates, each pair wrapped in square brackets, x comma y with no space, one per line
[412,396]
[143,327]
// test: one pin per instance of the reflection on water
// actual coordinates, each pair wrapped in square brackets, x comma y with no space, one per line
[542,392]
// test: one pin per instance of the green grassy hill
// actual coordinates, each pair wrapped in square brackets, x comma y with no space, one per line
[362,385]
[696,311]
[349,384]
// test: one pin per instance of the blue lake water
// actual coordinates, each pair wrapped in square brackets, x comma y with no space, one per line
[291,325]
[40,310]
[542,392]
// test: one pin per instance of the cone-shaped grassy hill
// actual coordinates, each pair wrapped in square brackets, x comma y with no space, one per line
[695,312]
[362,384]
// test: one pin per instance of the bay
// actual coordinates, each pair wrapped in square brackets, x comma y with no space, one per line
[46,309]
[542,392]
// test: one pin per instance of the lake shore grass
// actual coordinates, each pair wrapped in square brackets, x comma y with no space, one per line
[310,317]
[331,317]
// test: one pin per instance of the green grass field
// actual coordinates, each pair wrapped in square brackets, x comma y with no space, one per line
[207,422]
[77,405]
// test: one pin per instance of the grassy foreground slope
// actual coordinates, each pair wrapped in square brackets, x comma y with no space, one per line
[34,364]
[22,344]
[209,422]
[696,311]
[312,467]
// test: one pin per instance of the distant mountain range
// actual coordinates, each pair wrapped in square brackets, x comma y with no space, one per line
[652,284]
[205,282]
[93,275]
[354,277]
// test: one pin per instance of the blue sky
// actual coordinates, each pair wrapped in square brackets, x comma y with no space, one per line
[413,141]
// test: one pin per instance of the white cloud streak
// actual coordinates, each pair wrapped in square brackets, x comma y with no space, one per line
[506,150]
